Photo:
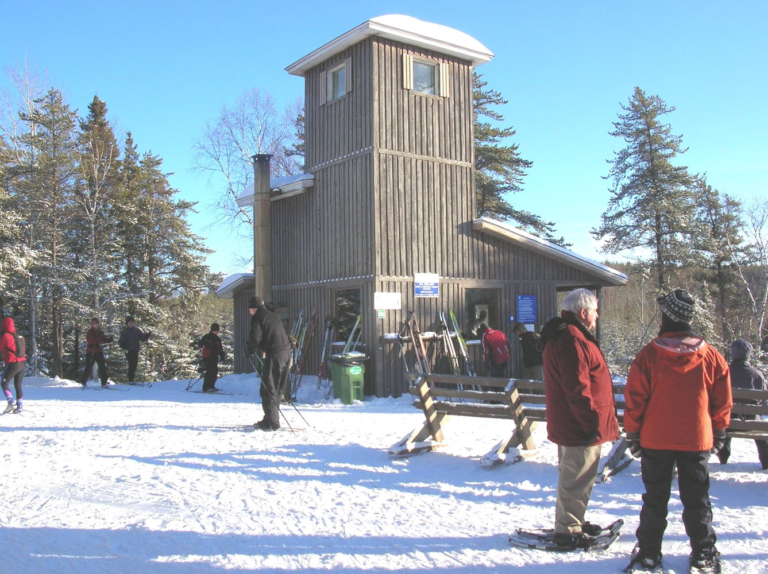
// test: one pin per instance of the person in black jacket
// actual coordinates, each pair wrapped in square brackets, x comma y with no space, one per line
[268,335]
[745,376]
[212,352]
[130,341]
[533,368]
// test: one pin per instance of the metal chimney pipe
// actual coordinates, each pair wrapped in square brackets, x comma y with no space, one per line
[262,227]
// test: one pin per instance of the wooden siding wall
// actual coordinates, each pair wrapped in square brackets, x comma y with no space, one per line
[241,325]
[409,122]
[336,129]
[452,296]
[322,298]
[326,233]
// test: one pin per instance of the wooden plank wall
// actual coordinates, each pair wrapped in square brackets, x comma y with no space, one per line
[452,296]
[242,324]
[337,129]
[325,233]
[420,124]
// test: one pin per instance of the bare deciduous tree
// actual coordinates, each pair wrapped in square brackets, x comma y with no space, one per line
[253,125]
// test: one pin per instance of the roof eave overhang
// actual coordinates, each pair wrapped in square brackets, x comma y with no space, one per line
[229,291]
[281,192]
[366,29]
[527,241]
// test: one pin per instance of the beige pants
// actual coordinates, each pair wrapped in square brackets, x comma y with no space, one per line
[578,470]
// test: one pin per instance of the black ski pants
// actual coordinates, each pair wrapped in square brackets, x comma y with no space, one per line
[133,360]
[693,479]
[762,445]
[211,372]
[274,378]
[14,371]
[97,358]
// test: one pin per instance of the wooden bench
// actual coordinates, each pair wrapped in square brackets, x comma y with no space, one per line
[439,396]
[523,402]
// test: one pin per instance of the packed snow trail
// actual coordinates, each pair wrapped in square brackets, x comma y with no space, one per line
[160,480]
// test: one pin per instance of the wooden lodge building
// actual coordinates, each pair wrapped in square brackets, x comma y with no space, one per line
[388,195]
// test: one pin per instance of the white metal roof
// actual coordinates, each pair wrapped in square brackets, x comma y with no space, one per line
[514,235]
[403,29]
[286,186]
[231,283]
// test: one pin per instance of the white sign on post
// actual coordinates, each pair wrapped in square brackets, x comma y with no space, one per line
[426,285]
[386,301]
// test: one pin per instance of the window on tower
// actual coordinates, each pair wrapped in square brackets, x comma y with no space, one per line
[424,77]
[337,82]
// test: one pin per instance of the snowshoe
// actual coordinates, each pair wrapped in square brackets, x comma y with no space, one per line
[642,562]
[10,407]
[546,539]
[706,561]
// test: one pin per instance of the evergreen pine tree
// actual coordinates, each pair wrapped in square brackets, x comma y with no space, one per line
[499,168]
[48,185]
[719,243]
[652,205]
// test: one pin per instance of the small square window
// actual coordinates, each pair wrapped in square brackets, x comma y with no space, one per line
[337,82]
[424,77]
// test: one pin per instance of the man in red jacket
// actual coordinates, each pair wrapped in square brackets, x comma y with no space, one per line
[679,402]
[581,411]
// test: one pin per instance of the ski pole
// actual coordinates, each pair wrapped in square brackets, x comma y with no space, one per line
[273,400]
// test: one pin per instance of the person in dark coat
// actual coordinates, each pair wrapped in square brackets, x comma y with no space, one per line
[533,363]
[130,340]
[15,363]
[581,411]
[268,335]
[212,352]
[745,376]
[94,353]
[678,404]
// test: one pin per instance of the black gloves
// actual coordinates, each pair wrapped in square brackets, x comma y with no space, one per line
[633,444]
[719,441]
[588,438]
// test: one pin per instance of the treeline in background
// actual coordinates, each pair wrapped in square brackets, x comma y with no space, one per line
[91,227]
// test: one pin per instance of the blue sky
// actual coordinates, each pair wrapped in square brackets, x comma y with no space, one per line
[166,67]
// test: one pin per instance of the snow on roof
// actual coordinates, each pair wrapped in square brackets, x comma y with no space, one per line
[514,235]
[286,185]
[403,29]
[227,288]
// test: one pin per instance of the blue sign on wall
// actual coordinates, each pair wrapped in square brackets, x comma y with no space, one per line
[426,285]
[526,309]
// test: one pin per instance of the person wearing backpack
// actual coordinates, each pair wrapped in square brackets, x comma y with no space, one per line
[130,341]
[496,350]
[14,356]
[94,353]
[212,352]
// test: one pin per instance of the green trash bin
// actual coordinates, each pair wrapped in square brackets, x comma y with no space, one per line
[348,376]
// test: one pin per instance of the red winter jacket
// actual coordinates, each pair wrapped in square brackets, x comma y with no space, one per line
[8,344]
[678,391]
[579,391]
[94,337]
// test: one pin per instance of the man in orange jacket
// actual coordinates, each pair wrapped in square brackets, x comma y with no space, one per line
[678,398]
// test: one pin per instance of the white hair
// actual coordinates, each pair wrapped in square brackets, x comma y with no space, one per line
[579,299]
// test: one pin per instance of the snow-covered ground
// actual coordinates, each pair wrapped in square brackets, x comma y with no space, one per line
[159,480]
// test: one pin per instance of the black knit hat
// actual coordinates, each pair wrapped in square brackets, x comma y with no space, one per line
[129,320]
[678,306]
[255,302]
[215,327]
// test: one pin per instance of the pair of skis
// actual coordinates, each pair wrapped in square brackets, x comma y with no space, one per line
[323,373]
[409,330]
[307,333]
